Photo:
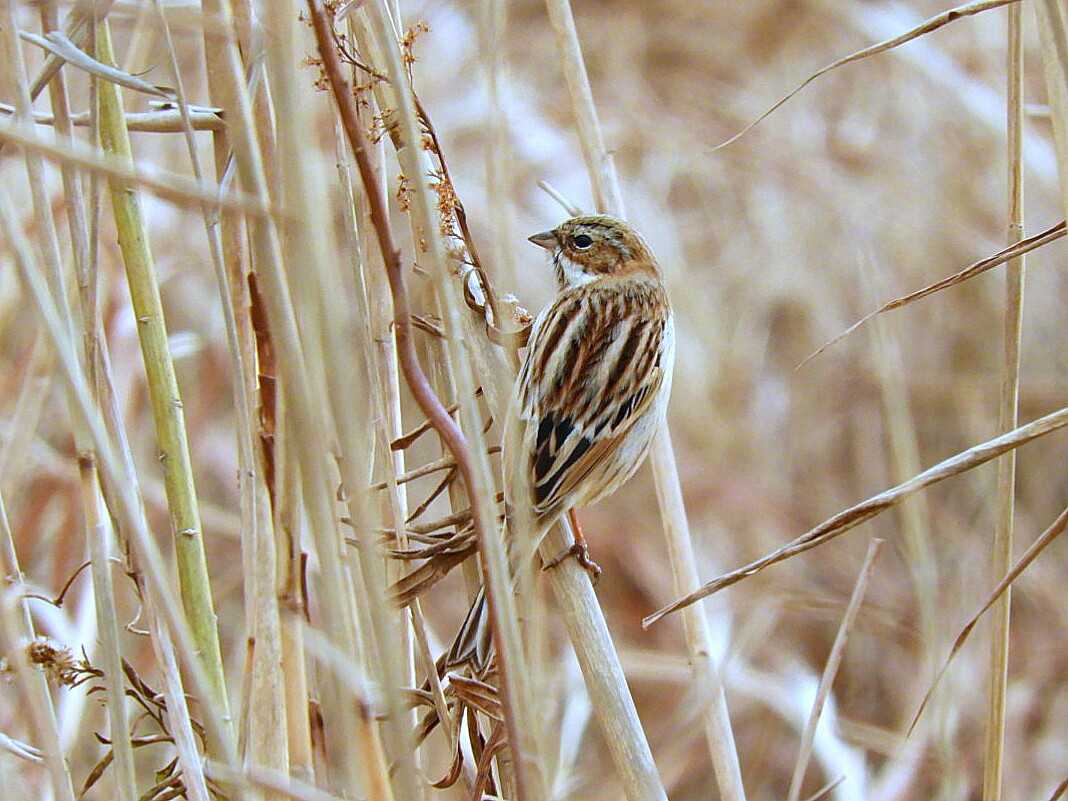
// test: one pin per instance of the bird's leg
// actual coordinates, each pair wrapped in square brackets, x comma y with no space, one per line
[579,549]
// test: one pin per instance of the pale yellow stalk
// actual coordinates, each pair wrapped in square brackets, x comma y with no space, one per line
[609,198]
[1008,418]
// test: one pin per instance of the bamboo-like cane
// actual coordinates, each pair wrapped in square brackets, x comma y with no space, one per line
[163,389]
[608,197]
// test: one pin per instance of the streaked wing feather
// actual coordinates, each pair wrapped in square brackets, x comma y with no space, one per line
[593,370]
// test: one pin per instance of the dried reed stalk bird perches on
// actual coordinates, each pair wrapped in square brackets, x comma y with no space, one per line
[416,379]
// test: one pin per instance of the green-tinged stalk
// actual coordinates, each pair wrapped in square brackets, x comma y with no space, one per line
[194,583]
[1008,417]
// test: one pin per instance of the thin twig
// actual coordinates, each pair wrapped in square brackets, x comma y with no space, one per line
[927,26]
[830,670]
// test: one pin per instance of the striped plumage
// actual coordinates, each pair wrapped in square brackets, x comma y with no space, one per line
[592,389]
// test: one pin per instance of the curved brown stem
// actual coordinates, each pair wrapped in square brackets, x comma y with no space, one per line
[416,379]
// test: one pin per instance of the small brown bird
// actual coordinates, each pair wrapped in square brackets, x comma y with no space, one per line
[593,387]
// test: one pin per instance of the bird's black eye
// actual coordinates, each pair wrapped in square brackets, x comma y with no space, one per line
[582,241]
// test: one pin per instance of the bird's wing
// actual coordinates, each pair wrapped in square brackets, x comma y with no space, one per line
[594,366]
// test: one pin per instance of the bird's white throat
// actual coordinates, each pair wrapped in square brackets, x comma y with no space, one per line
[569,273]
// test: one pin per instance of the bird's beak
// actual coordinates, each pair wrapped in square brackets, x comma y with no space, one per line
[546,239]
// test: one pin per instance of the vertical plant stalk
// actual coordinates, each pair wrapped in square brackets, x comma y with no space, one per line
[387,654]
[167,412]
[830,670]
[470,454]
[99,537]
[608,197]
[492,24]
[1008,417]
[373,306]
[96,533]
[716,717]
[17,633]
[251,489]
[119,478]
[303,397]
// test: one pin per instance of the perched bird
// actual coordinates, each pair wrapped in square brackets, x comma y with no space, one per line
[591,391]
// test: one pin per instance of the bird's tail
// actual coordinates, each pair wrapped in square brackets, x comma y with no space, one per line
[474,642]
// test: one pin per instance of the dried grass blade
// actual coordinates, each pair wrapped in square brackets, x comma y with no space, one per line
[925,27]
[412,585]
[59,45]
[831,669]
[1049,535]
[1003,256]
[1008,417]
[483,697]
[877,504]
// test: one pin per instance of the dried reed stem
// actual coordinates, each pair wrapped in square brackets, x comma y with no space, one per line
[185,743]
[706,675]
[99,531]
[16,627]
[176,188]
[303,395]
[193,579]
[608,197]
[473,466]
[1008,417]
[830,670]
[492,24]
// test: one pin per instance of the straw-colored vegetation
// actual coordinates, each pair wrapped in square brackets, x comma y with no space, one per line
[263,291]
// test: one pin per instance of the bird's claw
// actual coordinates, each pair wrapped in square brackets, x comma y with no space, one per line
[581,552]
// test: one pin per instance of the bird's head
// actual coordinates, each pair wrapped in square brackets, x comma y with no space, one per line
[589,248]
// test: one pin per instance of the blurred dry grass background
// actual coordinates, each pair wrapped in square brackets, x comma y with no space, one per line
[878,179]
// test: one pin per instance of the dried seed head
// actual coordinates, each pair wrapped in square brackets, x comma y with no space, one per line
[54,659]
